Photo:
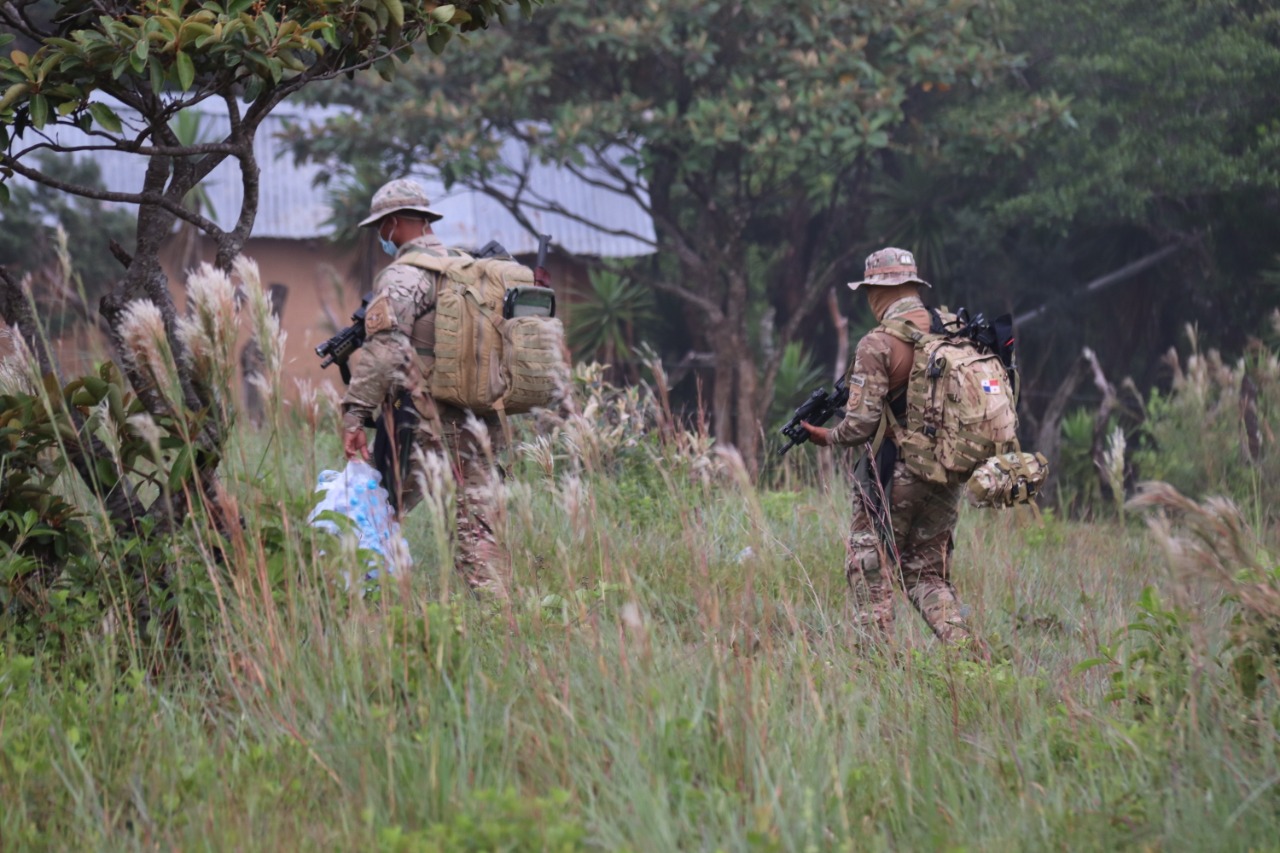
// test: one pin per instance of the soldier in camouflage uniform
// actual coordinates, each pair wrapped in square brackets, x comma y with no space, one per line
[397,356]
[922,515]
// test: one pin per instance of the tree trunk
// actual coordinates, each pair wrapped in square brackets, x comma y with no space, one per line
[1049,439]
[748,422]
[726,361]
[1109,486]
[841,324]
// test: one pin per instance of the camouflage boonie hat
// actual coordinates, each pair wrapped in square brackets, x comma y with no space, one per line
[890,266]
[400,194]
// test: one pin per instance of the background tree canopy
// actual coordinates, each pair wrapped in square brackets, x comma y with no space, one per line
[1022,148]
[755,128]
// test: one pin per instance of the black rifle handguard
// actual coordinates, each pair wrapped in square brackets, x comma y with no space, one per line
[338,349]
[817,410]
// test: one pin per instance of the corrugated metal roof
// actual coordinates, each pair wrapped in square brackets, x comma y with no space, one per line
[292,206]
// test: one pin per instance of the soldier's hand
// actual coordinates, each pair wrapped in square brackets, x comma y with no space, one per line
[355,445]
[818,435]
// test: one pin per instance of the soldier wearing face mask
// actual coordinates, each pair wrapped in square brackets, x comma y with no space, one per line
[396,363]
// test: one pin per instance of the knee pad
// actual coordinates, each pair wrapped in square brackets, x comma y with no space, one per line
[864,557]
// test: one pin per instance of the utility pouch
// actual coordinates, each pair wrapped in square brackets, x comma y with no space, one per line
[1007,480]
[526,301]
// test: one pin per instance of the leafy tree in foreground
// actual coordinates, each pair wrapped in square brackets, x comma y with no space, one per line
[746,130]
[120,73]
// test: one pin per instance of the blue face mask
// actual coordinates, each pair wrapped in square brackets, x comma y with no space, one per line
[387,246]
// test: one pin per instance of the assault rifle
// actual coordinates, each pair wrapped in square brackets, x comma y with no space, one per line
[817,410]
[338,349]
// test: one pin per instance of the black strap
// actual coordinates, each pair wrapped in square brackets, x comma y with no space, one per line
[898,405]
[393,446]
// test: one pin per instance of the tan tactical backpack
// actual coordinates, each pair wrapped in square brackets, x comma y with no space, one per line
[483,361]
[960,408]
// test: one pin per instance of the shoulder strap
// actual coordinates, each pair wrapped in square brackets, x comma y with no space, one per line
[435,263]
[903,331]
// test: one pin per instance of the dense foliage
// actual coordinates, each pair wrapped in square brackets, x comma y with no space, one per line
[748,131]
[1023,149]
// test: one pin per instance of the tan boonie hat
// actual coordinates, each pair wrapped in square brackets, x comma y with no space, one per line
[890,266]
[400,194]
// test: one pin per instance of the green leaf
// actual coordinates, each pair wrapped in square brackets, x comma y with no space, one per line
[4,195]
[396,10]
[437,40]
[181,469]
[157,74]
[253,89]
[39,111]
[186,70]
[106,117]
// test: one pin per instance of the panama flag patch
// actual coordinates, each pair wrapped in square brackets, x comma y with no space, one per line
[991,386]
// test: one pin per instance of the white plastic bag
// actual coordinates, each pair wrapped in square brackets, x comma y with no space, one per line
[356,493]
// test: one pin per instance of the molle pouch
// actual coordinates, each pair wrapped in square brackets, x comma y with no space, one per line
[1007,480]
[525,301]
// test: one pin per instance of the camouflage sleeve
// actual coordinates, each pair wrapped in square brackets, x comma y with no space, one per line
[402,294]
[868,388]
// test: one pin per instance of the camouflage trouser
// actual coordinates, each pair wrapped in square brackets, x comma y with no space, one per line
[472,463]
[924,518]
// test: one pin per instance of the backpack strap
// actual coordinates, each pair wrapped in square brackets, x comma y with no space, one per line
[435,263]
[903,331]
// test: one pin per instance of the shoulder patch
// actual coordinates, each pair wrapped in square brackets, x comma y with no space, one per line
[379,317]
[857,379]
[855,396]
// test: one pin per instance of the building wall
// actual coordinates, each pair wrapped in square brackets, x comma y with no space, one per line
[323,285]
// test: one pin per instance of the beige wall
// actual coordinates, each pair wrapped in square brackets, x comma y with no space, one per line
[321,287]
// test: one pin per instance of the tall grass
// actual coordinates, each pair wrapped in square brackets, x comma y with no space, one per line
[677,670]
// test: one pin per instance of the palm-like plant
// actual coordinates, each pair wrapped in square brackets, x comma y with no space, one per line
[604,321]
[909,211]
[798,374]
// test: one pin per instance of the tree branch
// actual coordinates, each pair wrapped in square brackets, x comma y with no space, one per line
[1114,277]
[175,208]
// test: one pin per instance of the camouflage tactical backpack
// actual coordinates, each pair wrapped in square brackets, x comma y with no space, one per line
[960,408]
[484,361]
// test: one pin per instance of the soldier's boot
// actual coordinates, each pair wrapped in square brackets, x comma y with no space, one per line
[871,587]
